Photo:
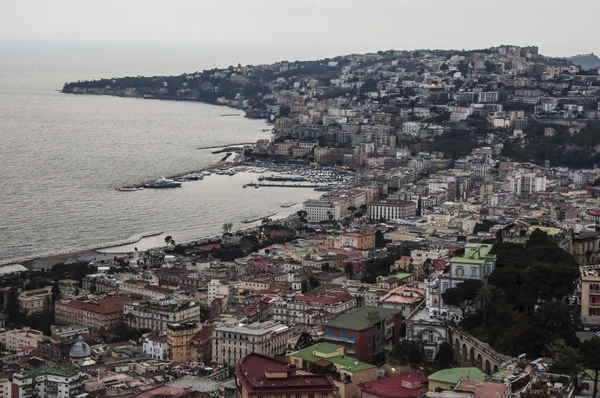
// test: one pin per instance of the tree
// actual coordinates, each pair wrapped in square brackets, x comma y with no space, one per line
[565,358]
[227,227]
[487,294]
[408,352]
[302,214]
[463,295]
[589,352]
[55,292]
[379,239]
[444,358]
[313,282]
[304,341]
[13,306]
[349,269]
[168,240]
[352,209]
[360,300]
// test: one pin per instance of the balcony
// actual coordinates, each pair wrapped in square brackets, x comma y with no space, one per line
[594,305]
[595,292]
[339,338]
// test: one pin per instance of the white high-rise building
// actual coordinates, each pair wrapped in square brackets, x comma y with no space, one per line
[528,183]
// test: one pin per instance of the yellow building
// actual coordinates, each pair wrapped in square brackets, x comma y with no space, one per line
[590,294]
[326,358]
[36,300]
[179,336]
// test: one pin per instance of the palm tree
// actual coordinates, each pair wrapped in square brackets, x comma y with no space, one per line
[168,239]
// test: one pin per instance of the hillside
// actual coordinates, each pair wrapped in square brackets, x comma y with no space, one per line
[586,61]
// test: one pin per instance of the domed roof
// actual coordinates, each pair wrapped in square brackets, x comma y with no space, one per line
[81,349]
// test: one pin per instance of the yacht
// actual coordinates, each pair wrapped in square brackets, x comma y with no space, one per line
[192,177]
[163,182]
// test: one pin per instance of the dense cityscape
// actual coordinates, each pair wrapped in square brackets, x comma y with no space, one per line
[453,251]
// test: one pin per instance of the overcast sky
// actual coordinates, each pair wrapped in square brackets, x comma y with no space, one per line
[558,27]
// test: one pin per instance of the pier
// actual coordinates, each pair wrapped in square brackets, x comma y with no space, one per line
[262,184]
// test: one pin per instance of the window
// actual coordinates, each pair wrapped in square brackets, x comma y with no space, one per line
[311,395]
[324,395]
[343,335]
[352,337]
[330,333]
[298,395]
[474,272]
[460,271]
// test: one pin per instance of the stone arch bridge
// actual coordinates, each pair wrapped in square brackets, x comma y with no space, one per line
[470,352]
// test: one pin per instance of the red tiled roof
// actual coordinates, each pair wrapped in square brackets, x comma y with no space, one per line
[251,373]
[106,306]
[398,386]
[204,333]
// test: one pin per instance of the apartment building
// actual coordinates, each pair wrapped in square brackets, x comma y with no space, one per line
[404,298]
[17,339]
[320,210]
[391,210]
[232,341]
[590,294]
[315,306]
[99,283]
[179,336]
[217,289]
[357,240]
[528,183]
[93,314]
[258,375]
[366,332]
[143,289]
[156,316]
[154,345]
[48,382]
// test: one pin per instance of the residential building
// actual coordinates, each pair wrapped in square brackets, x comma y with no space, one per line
[106,313]
[202,344]
[232,341]
[346,372]
[259,375]
[156,316]
[405,385]
[586,248]
[69,330]
[217,289]
[99,283]
[18,339]
[486,97]
[404,298]
[5,388]
[315,306]
[447,379]
[48,382]
[483,389]
[38,300]
[143,289]
[367,333]
[477,263]
[154,345]
[590,294]
[357,240]
[528,183]
[391,210]
[179,336]
[320,210]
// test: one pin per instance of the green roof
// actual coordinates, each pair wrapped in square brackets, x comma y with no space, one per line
[453,376]
[45,370]
[358,319]
[348,364]
[477,254]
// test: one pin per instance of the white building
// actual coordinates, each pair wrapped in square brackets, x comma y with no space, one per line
[319,210]
[411,128]
[391,210]
[47,382]
[528,183]
[155,346]
[217,289]
[491,96]
[17,339]
[233,341]
[154,316]
[477,263]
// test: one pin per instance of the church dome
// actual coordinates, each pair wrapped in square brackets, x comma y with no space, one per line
[81,349]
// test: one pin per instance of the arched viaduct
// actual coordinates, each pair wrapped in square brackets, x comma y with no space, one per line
[470,352]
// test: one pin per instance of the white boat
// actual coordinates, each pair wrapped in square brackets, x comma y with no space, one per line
[192,176]
[163,182]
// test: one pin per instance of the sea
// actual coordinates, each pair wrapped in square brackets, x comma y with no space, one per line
[63,156]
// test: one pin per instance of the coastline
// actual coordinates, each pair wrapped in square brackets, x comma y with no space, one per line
[49,259]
